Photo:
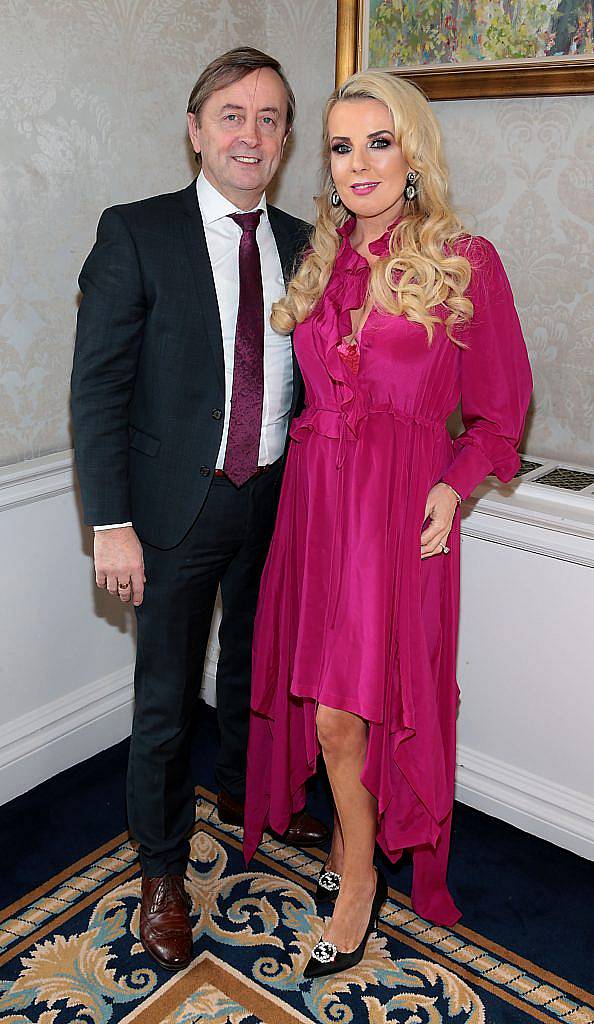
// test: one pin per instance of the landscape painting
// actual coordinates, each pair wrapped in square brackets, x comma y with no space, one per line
[463,32]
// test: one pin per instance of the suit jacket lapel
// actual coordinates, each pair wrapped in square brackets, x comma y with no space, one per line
[203,277]
[285,243]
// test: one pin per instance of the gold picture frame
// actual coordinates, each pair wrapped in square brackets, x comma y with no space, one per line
[526,77]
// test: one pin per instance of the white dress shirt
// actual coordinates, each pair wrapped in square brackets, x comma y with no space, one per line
[222,239]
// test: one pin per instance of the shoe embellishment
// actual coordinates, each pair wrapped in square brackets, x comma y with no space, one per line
[330,881]
[324,952]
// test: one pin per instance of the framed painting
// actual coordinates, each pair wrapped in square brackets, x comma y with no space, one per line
[455,49]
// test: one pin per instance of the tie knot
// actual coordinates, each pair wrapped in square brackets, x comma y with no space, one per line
[247,221]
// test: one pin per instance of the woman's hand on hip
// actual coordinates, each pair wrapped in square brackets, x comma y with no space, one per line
[440,509]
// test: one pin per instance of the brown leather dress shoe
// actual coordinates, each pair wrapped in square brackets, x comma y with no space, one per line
[303,830]
[165,930]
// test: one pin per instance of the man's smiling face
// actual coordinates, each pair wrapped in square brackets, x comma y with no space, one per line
[241,135]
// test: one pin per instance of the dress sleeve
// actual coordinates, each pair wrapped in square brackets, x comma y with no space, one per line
[496,382]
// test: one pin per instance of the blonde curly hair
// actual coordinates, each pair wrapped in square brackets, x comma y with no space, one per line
[423,270]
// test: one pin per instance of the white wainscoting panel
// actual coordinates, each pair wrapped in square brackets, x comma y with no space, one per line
[525,752]
[525,748]
[67,648]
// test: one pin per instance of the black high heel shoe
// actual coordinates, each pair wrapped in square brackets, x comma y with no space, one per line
[328,886]
[327,959]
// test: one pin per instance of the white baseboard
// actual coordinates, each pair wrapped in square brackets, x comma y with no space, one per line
[64,732]
[37,746]
[72,728]
[531,803]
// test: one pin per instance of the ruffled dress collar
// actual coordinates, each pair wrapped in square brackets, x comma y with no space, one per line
[331,324]
[348,258]
[353,287]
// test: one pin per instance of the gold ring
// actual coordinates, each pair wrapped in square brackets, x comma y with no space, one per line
[123,586]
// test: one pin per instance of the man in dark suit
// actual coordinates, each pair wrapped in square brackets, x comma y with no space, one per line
[181,399]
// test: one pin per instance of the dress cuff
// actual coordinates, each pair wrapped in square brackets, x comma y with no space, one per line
[468,470]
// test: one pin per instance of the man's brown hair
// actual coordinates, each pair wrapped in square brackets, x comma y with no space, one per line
[230,67]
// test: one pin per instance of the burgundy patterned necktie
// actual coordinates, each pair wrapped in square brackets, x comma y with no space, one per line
[245,423]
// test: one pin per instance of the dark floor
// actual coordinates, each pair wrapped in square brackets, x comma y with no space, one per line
[518,891]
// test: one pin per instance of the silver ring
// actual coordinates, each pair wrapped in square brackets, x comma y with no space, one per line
[445,549]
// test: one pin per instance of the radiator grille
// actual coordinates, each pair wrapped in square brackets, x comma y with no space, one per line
[570,479]
[580,480]
[527,467]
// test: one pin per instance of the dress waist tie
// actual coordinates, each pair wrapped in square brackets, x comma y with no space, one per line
[338,522]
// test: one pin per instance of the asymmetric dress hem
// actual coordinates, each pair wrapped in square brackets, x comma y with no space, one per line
[349,616]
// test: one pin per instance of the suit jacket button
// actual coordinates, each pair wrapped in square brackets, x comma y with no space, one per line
[216,414]
[204,471]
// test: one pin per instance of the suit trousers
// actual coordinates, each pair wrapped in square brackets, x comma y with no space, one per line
[226,546]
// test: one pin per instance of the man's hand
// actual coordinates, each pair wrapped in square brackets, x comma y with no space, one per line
[440,509]
[119,564]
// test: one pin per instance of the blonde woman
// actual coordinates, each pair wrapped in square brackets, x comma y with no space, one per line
[398,314]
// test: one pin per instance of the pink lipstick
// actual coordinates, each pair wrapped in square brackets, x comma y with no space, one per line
[363,188]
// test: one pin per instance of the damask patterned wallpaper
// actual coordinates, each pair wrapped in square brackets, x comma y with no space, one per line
[92,112]
[92,101]
[522,173]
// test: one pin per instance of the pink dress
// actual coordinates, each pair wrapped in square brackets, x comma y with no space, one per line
[348,615]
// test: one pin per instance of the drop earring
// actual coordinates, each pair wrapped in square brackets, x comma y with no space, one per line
[410,190]
[334,197]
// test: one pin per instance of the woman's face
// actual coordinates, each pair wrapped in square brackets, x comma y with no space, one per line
[368,167]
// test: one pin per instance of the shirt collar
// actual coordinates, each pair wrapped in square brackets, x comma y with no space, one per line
[214,206]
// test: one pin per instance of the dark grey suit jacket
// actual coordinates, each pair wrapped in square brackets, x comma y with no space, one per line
[148,382]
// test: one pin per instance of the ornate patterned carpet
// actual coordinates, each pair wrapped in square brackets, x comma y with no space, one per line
[69,951]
